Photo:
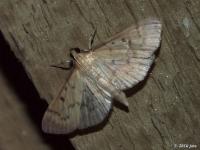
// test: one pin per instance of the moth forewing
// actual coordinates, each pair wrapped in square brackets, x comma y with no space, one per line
[62,115]
[129,54]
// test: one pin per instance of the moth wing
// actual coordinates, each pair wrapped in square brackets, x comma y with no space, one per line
[95,105]
[145,35]
[63,113]
[77,106]
[130,53]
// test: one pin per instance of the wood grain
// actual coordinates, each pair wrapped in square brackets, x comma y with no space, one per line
[164,109]
[17,128]
[21,109]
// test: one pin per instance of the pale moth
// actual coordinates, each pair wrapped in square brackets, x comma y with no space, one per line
[100,75]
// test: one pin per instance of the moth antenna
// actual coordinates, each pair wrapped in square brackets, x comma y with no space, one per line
[66,65]
[91,39]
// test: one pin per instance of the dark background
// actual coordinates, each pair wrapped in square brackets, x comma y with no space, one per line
[20,85]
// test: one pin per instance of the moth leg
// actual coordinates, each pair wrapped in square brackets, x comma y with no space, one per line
[65,65]
[91,39]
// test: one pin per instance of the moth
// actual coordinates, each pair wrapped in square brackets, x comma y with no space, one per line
[100,75]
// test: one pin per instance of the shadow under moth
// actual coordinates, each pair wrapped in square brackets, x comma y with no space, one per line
[100,75]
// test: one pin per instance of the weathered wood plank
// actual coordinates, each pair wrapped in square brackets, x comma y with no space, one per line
[21,109]
[164,110]
[17,129]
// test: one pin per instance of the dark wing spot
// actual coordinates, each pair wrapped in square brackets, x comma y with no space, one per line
[123,40]
[54,112]
[128,61]
[62,98]
[113,61]
[65,88]
[59,115]
[129,43]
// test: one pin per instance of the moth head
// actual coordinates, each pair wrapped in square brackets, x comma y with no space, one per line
[74,50]
[77,50]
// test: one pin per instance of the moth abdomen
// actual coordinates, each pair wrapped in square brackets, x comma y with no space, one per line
[120,97]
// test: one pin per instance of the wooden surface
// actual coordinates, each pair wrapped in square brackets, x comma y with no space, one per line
[164,109]
[20,118]
[17,130]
